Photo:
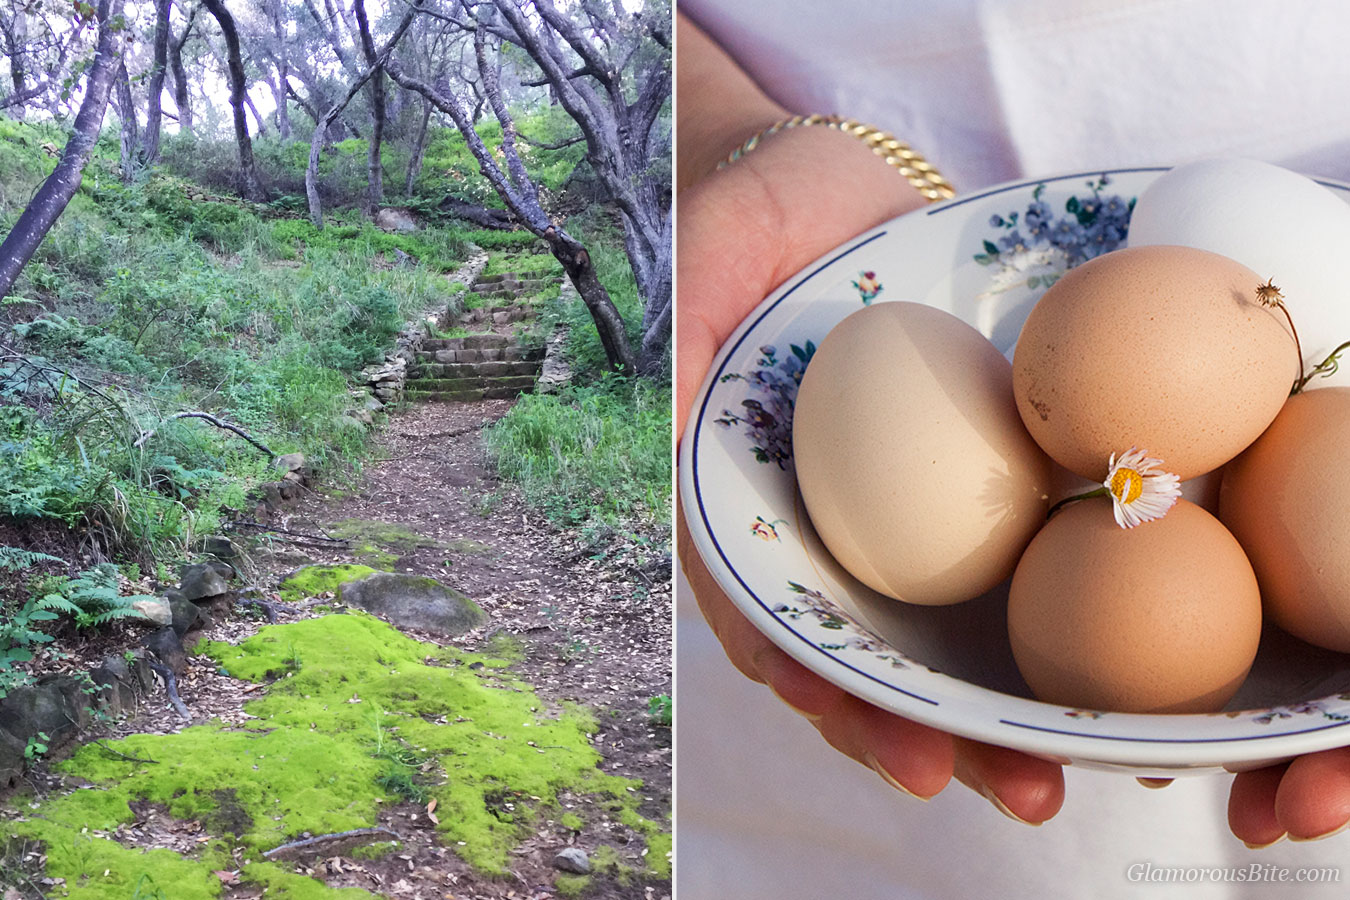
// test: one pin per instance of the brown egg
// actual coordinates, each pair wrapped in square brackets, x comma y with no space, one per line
[1161,618]
[1161,348]
[1287,500]
[916,470]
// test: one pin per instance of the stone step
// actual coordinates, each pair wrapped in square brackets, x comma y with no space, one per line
[497,315]
[500,277]
[478,382]
[491,354]
[470,370]
[468,342]
[468,396]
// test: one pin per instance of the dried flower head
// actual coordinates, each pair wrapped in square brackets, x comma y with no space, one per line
[1268,294]
[1140,490]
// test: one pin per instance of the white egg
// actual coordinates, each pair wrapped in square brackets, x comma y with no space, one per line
[1280,224]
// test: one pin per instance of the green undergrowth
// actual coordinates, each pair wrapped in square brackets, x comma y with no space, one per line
[590,453]
[311,581]
[315,757]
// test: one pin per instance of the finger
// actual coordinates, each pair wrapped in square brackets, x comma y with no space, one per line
[1251,806]
[1024,788]
[1313,800]
[1154,784]
[910,757]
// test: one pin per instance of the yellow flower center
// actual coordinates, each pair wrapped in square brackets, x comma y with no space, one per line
[1127,485]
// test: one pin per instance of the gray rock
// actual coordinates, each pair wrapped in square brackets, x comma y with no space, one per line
[201,581]
[393,218]
[220,567]
[155,609]
[143,678]
[413,601]
[221,547]
[11,759]
[572,859]
[185,614]
[168,649]
[113,678]
[373,404]
[290,462]
[40,708]
[272,495]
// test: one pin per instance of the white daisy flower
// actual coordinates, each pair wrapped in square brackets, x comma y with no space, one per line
[1140,490]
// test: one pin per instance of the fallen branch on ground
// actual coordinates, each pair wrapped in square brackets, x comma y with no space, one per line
[298,847]
[272,529]
[103,746]
[219,423]
[170,685]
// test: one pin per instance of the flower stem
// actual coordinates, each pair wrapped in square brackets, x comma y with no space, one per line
[1302,379]
[1325,368]
[1099,492]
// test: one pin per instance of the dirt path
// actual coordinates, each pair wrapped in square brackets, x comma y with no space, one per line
[592,611]
[585,618]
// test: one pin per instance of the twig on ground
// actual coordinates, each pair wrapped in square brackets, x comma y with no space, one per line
[103,746]
[171,686]
[219,423]
[272,529]
[297,847]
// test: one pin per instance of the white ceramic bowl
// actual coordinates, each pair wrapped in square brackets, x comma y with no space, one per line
[951,667]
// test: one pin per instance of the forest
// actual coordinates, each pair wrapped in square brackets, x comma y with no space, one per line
[334,364]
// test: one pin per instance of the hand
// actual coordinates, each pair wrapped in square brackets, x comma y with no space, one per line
[742,232]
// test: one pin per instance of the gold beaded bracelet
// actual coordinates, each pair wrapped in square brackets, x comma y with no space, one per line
[897,154]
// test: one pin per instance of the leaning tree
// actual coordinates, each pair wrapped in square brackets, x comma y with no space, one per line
[55,193]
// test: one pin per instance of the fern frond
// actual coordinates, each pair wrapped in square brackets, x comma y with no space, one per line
[12,559]
[95,620]
[56,603]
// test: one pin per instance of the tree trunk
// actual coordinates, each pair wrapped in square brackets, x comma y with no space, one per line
[126,110]
[181,99]
[576,262]
[55,193]
[482,216]
[257,116]
[321,126]
[15,33]
[154,106]
[250,187]
[419,149]
[283,72]
[376,110]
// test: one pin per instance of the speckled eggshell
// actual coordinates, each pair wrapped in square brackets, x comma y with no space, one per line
[1287,499]
[915,468]
[1164,617]
[1161,348]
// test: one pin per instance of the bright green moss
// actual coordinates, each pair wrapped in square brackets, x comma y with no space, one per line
[313,758]
[571,885]
[314,580]
[571,821]
[380,544]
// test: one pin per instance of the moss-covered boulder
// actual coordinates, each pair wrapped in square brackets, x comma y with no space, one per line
[312,581]
[414,601]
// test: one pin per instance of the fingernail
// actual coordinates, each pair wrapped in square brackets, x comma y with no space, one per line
[1251,846]
[1002,807]
[887,777]
[1154,784]
[808,716]
[1319,837]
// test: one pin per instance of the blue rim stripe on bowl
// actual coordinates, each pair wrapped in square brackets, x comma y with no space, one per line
[1149,740]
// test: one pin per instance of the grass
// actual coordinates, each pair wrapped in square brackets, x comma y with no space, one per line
[590,453]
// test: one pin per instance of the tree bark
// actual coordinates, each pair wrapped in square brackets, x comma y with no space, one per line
[283,71]
[15,33]
[482,216]
[373,161]
[419,149]
[321,126]
[55,193]
[126,111]
[154,106]
[250,187]
[257,116]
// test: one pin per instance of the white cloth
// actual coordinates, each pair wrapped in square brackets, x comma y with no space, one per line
[992,91]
